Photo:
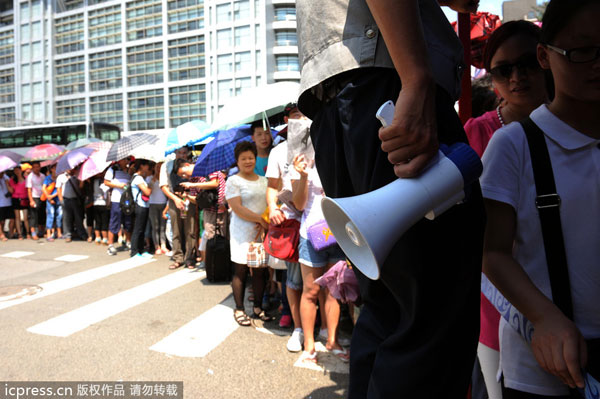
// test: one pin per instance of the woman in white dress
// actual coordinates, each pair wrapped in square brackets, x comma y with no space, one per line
[246,194]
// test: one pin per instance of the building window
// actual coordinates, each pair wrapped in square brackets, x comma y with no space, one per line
[286,38]
[242,36]
[187,103]
[38,92]
[241,10]
[243,62]
[105,26]
[242,84]
[144,19]
[70,77]
[174,4]
[186,19]
[285,13]
[105,70]
[225,63]
[287,63]
[186,58]
[70,110]
[6,47]
[108,109]
[144,64]
[69,34]
[223,13]
[225,89]
[25,15]
[146,110]
[7,86]
[224,39]
[7,117]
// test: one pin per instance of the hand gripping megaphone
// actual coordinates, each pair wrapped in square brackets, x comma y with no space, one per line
[367,226]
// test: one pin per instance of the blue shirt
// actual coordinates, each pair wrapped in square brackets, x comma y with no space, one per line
[137,193]
[261,165]
[47,182]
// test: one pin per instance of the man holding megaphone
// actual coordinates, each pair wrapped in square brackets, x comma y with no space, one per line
[417,333]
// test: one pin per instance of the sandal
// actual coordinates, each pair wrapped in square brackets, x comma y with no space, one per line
[175,266]
[341,354]
[309,357]
[241,318]
[3,238]
[190,266]
[262,316]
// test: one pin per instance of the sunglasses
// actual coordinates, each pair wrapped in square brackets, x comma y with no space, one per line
[525,64]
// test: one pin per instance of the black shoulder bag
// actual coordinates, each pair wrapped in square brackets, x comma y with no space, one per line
[548,204]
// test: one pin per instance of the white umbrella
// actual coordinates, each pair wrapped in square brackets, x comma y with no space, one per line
[254,103]
[152,152]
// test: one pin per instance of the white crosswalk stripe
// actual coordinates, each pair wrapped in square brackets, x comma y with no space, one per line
[75,280]
[71,258]
[81,318]
[17,254]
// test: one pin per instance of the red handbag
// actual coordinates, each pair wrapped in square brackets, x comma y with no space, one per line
[282,240]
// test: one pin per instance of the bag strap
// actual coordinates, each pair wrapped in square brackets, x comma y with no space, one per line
[548,204]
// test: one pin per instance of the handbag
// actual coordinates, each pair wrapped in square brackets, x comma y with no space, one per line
[276,263]
[207,198]
[47,191]
[281,241]
[320,235]
[548,204]
[257,256]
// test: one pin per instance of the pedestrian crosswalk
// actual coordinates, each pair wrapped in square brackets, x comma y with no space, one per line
[193,338]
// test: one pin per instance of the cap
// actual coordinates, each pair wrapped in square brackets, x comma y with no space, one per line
[289,108]
[25,166]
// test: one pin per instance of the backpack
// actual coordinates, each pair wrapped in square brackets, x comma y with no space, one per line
[127,204]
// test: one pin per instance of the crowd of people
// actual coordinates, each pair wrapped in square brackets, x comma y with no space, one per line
[419,321]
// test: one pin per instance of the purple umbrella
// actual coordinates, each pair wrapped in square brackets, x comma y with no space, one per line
[9,160]
[95,164]
[73,158]
[341,282]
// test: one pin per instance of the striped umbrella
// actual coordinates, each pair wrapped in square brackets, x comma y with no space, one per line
[43,152]
[82,142]
[125,146]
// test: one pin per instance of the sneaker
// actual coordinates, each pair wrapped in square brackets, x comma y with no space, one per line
[169,253]
[98,240]
[146,255]
[285,321]
[295,342]
[105,241]
[111,250]
[129,245]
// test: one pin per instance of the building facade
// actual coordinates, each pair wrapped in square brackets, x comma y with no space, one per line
[140,64]
[518,9]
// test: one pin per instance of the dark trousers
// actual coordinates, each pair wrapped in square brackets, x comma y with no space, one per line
[158,224]
[139,228]
[417,333]
[73,219]
[37,215]
[184,234]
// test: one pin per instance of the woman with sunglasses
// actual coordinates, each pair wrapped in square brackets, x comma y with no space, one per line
[515,248]
[518,79]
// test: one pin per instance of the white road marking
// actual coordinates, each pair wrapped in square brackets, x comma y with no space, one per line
[326,362]
[83,317]
[77,279]
[201,335]
[17,254]
[71,258]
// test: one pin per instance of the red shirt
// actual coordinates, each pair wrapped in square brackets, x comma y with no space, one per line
[220,188]
[480,130]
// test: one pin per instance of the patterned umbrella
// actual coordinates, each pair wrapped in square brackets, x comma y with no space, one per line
[95,164]
[82,142]
[189,133]
[218,154]
[73,158]
[43,152]
[9,160]
[122,148]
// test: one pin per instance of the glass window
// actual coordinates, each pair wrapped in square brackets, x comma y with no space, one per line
[242,35]
[36,70]
[36,8]
[187,103]
[286,38]
[36,50]
[241,10]
[26,72]
[36,29]
[107,109]
[37,90]
[26,112]
[225,89]
[223,13]
[242,84]
[257,35]
[243,62]
[287,63]
[38,112]
[285,13]
[146,110]
[25,33]
[224,38]
[25,52]
[258,61]
[25,15]
[26,92]
[186,58]
[225,63]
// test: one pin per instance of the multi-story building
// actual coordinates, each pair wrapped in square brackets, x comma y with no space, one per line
[518,9]
[141,64]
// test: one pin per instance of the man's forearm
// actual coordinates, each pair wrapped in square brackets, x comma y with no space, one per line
[169,194]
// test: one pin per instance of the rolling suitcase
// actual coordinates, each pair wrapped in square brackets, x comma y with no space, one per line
[218,260]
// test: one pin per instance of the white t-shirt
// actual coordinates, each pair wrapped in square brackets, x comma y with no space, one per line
[4,199]
[116,177]
[61,180]
[100,192]
[508,178]
[164,176]
[279,168]
[157,196]
[137,193]
[312,210]
[35,183]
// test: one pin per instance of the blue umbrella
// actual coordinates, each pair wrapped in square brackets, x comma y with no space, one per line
[189,133]
[218,154]
[73,158]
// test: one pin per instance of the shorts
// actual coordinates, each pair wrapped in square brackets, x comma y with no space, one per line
[313,258]
[6,212]
[294,276]
[18,205]
[116,218]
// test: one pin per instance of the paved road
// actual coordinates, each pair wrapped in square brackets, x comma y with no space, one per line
[93,317]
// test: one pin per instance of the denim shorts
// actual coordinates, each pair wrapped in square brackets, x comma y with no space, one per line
[294,276]
[116,218]
[313,258]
